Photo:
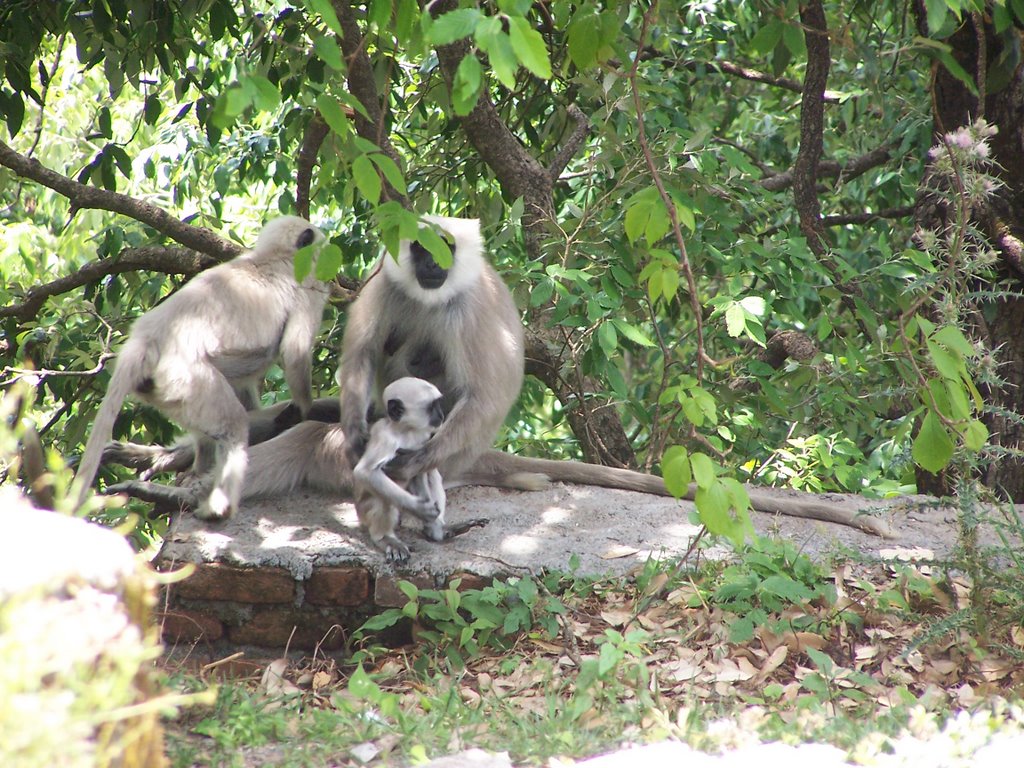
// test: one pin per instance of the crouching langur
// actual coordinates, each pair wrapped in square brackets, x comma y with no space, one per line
[201,355]
[460,330]
[413,412]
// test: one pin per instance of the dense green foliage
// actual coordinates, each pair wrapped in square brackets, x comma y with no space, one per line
[201,107]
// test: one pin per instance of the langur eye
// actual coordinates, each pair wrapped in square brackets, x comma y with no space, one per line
[396,409]
[306,238]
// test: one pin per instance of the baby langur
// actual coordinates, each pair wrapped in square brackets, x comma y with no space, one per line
[201,355]
[413,413]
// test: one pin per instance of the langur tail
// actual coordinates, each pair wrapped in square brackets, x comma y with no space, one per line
[506,470]
[129,373]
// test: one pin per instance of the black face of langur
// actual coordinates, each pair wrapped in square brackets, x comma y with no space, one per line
[429,274]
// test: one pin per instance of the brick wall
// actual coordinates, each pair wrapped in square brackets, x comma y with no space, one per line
[225,606]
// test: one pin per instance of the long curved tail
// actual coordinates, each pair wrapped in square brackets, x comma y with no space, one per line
[506,470]
[129,373]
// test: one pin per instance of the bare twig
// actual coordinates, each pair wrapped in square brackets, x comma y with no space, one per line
[82,196]
[833,97]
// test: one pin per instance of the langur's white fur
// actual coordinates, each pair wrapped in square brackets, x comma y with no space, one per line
[413,413]
[200,355]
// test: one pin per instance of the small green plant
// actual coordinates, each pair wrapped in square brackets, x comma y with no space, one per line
[769,577]
[460,624]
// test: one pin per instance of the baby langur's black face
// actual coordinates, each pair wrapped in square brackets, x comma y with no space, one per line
[428,273]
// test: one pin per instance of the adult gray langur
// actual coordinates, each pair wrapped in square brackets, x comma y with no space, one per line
[201,354]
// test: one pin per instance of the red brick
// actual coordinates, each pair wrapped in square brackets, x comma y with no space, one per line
[184,626]
[471,581]
[338,586]
[213,581]
[387,594]
[272,628]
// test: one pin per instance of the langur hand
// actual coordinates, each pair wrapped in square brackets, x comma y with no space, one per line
[406,465]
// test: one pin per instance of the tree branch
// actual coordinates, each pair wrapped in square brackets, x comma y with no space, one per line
[833,97]
[82,196]
[362,83]
[312,139]
[169,260]
[572,145]
[831,169]
[805,170]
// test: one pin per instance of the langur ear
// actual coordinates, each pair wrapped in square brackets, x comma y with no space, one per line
[396,409]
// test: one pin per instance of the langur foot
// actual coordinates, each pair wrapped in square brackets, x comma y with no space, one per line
[462,527]
[216,507]
[394,549]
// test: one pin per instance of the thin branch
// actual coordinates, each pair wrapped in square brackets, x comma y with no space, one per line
[844,219]
[848,171]
[169,260]
[572,145]
[82,196]
[684,259]
[833,97]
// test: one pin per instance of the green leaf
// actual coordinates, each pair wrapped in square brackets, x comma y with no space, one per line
[454,25]
[786,588]
[633,333]
[303,262]
[933,448]
[437,246]
[767,38]
[492,40]
[675,468]
[936,11]
[267,98]
[529,47]
[584,37]
[607,338]
[333,114]
[637,216]
[390,170]
[364,173]
[953,338]
[327,50]
[975,436]
[361,686]
[405,20]
[946,364]
[467,84]
[328,262]
[735,319]
[326,11]
[703,470]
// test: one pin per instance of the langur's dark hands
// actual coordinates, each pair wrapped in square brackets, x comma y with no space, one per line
[406,464]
